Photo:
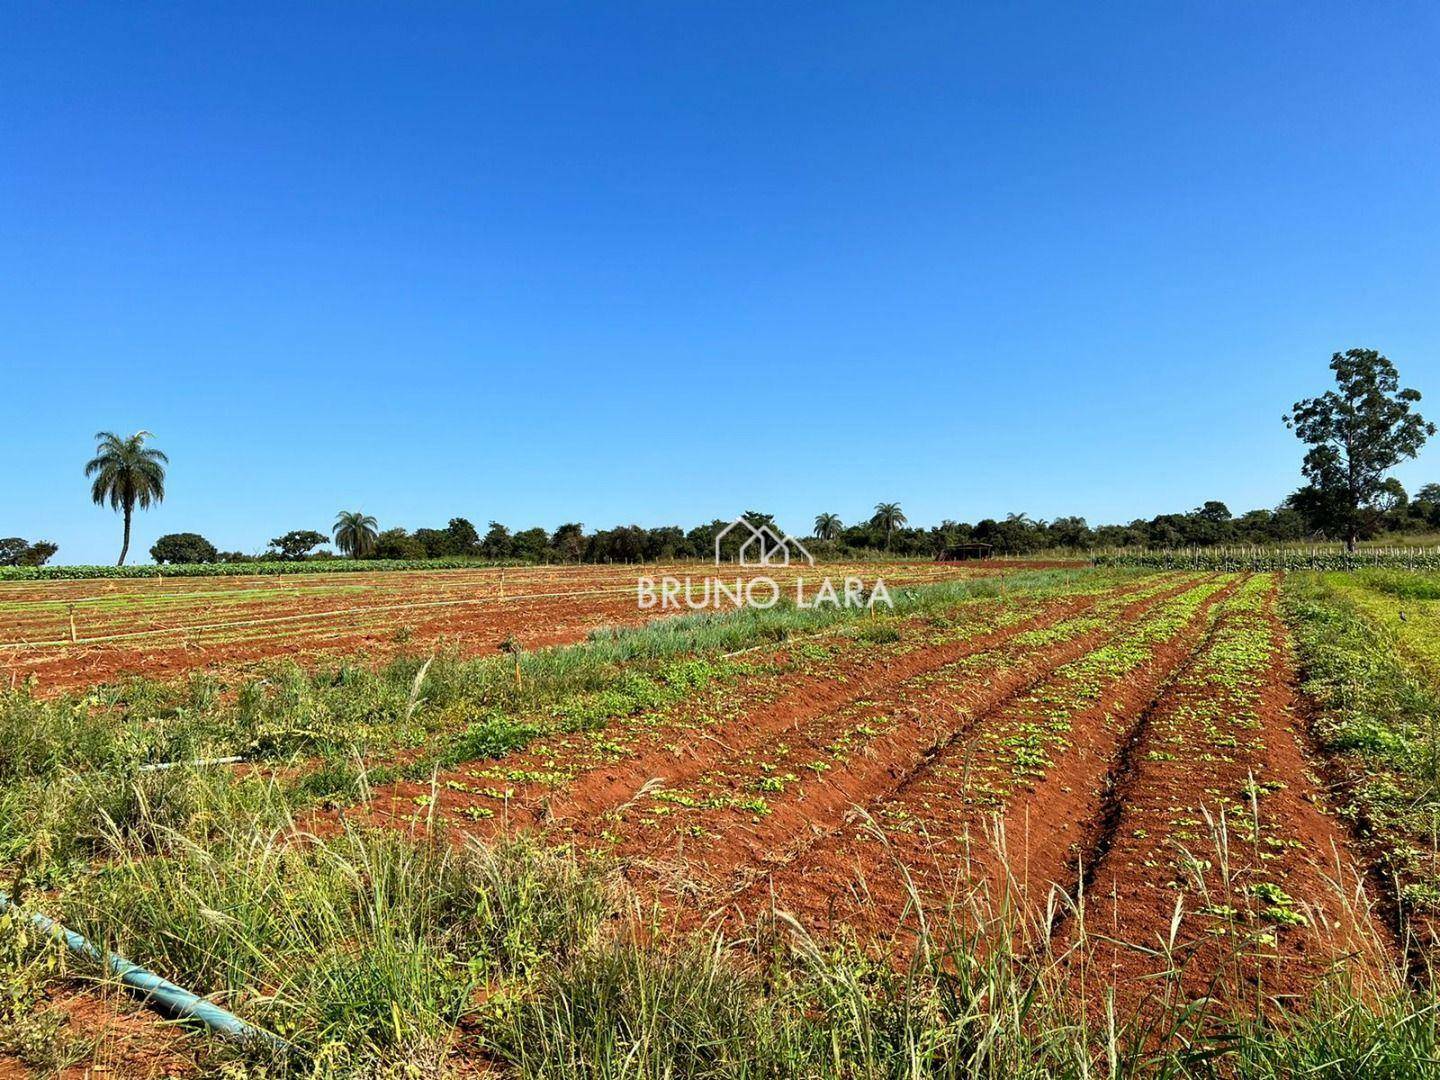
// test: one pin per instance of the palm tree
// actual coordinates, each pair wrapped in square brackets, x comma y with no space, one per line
[127,474]
[355,533]
[888,516]
[827,526]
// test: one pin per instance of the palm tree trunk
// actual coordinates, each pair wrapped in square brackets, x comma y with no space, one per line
[125,547]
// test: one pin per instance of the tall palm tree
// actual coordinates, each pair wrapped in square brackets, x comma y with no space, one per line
[127,474]
[355,533]
[827,526]
[888,516]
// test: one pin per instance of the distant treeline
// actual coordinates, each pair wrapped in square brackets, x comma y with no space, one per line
[1210,525]
[1016,534]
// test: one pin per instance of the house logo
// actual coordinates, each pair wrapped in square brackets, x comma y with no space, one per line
[760,545]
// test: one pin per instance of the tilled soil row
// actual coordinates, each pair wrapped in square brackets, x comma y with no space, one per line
[575,789]
[751,812]
[878,668]
[1220,870]
[471,631]
[297,617]
[928,840]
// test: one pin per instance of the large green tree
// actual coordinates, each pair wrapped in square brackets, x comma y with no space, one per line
[15,551]
[127,474]
[355,533]
[1356,434]
[569,541]
[296,544]
[498,543]
[464,540]
[183,548]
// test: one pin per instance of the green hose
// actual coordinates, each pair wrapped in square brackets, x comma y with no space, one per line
[166,996]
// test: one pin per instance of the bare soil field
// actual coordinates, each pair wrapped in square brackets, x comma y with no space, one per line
[1110,779]
[1138,749]
[161,628]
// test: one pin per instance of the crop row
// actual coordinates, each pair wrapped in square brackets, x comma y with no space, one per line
[1379,717]
[260,568]
[392,952]
[1266,560]
[634,727]
[1007,757]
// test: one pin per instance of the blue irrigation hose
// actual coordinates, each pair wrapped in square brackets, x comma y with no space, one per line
[171,999]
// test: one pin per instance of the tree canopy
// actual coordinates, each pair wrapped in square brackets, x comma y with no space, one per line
[1356,434]
[888,516]
[296,544]
[355,533]
[183,548]
[15,551]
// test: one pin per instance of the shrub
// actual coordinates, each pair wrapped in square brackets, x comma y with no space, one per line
[183,548]
[436,543]
[398,544]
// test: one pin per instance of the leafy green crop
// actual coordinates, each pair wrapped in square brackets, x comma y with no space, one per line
[1263,560]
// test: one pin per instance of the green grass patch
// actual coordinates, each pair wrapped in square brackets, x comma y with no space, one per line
[1380,716]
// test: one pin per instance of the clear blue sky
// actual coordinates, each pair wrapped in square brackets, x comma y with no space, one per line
[664,262]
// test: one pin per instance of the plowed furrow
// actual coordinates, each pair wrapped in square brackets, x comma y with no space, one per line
[1035,762]
[1217,815]
[682,747]
[757,811]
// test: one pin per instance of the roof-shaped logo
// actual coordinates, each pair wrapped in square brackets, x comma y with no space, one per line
[762,545]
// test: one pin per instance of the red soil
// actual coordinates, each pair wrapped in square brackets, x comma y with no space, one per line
[1167,811]
[682,750]
[843,787]
[126,1040]
[687,745]
[930,840]
[908,812]
[163,628]
[919,720]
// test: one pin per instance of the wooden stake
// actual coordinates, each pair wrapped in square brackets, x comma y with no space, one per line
[73,638]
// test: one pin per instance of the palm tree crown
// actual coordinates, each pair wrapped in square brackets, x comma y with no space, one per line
[127,474]
[355,533]
[888,516]
[827,526]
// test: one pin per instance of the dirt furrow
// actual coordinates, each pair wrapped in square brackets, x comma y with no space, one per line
[237,622]
[692,742]
[928,840]
[755,813]
[1219,869]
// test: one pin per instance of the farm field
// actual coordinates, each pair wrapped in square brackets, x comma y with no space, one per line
[1080,822]
[698,543]
[160,627]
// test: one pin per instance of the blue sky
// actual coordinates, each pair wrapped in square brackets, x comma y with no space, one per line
[664,262]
